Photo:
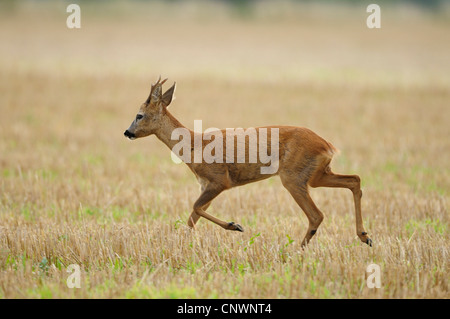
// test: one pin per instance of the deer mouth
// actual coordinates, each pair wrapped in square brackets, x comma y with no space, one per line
[130,135]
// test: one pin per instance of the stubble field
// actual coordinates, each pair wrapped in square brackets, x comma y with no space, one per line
[73,190]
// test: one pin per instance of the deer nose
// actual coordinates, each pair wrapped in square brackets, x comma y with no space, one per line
[128,134]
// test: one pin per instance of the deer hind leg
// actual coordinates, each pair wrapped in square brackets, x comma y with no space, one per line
[299,190]
[326,178]
[208,194]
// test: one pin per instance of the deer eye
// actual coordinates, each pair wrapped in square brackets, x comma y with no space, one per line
[139,116]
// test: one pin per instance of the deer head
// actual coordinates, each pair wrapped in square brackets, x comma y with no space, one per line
[148,118]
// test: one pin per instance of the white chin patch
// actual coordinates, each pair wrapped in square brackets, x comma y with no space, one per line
[132,138]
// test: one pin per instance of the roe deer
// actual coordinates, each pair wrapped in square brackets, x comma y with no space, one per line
[303,160]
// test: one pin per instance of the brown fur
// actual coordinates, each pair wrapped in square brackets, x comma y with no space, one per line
[304,160]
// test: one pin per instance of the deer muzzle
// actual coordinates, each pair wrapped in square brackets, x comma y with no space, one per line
[130,135]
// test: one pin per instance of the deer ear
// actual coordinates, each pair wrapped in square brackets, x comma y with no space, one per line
[168,96]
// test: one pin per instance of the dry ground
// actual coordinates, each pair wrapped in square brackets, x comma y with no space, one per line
[73,190]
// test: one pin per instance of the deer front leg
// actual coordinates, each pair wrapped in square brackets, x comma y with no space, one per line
[208,194]
[194,217]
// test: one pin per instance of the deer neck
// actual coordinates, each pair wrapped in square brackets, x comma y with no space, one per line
[168,124]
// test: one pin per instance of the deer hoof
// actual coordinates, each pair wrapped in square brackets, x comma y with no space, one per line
[233,226]
[369,242]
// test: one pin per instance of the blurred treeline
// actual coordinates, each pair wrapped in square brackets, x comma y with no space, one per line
[425,4]
[207,9]
[422,3]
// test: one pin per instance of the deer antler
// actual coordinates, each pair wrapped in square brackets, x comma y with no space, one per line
[156,91]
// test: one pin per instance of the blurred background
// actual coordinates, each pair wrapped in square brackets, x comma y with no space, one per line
[381,96]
